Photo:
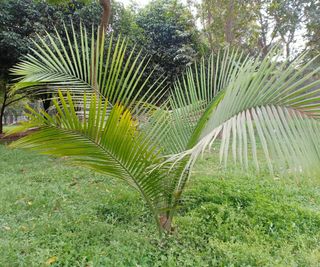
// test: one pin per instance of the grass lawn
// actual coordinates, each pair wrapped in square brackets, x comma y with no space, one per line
[51,213]
[8,127]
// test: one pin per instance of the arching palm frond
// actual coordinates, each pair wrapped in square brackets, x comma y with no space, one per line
[191,95]
[86,63]
[273,105]
[107,142]
[185,113]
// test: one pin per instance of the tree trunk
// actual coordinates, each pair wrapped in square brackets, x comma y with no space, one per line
[166,223]
[46,101]
[210,39]
[2,110]
[104,21]
[105,17]
[1,118]
[230,23]
[288,50]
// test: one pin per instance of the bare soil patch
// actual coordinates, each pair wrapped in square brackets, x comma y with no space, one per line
[16,136]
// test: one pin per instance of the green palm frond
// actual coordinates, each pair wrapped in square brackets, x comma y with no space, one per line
[107,142]
[191,95]
[273,105]
[88,64]
[185,112]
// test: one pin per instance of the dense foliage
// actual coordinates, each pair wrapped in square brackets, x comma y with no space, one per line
[20,22]
[170,36]
[25,21]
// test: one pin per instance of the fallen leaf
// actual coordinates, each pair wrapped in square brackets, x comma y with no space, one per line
[51,260]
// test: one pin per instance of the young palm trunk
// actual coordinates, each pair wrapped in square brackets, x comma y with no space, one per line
[166,223]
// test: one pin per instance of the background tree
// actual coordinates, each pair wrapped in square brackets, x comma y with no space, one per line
[267,32]
[171,37]
[19,23]
[228,22]
[255,25]
[10,101]
[282,22]
[19,20]
[288,16]
[312,13]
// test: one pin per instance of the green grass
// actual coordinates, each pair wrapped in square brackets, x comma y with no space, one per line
[8,127]
[73,217]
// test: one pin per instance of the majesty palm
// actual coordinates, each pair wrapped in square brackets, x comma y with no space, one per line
[103,121]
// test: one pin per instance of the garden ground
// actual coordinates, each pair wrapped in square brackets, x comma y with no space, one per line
[55,214]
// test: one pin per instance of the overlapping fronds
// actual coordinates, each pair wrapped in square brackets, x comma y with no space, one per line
[107,142]
[186,112]
[87,63]
[192,94]
[268,104]
[104,122]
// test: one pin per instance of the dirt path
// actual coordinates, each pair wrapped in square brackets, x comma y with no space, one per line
[14,137]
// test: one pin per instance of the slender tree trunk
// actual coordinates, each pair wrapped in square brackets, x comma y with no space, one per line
[46,101]
[105,17]
[3,109]
[166,223]
[288,50]
[207,22]
[210,39]
[230,23]
[104,21]
[262,41]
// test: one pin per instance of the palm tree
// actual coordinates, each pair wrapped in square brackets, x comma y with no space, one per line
[105,121]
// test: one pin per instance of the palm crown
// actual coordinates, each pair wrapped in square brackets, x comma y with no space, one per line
[103,121]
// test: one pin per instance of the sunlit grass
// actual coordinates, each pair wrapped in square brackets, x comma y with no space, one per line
[8,128]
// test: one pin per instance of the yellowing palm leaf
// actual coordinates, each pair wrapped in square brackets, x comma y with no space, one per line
[107,142]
